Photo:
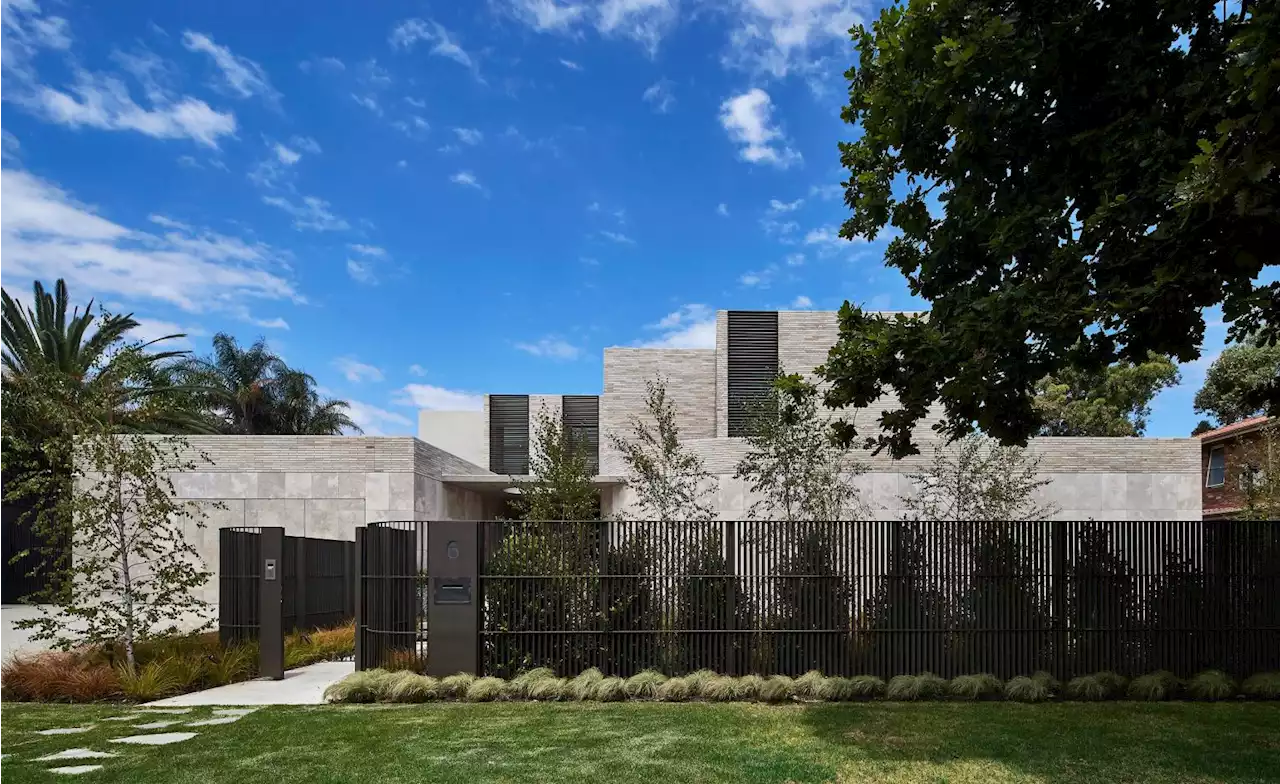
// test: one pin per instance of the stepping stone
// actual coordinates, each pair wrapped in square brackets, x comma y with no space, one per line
[65,730]
[128,717]
[211,722]
[155,725]
[233,711]
[75,770]
[166,710]
[74,754]
[158,739]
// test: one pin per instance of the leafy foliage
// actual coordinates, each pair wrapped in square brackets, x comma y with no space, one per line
[1114,401]
[1237,382]
[669,481]
[561,488]
[978,480]
[792,464]
[1067,187]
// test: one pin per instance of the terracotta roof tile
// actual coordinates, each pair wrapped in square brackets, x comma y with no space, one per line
[1234,427]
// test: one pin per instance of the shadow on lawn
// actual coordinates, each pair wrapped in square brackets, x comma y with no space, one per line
[1059,743]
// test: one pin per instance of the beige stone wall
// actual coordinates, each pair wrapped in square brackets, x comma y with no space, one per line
[690,375]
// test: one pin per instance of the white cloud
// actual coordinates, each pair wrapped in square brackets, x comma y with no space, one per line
[776,206]
[275,323]
[416,103]
[409,32]
[449,149]
[417,370]
[779,37]
[369,102]
[48,235]
[801,303]
[240,75]
[356,371]
[761,278]
[748,120]
[692,326]
[374,421]
[287,156]
[827,239]
[306,144]
[722,209]
[795,259]
[659,96]
[414,127]
[155,329]
[551,348]
[571,65]
[435,398]
[402,164]
[360,271]
[368,250]
[26,31]
[469,135]
[618,237]
[644,21]
[827,192]
[312,214]
[103,102]
[322,64]
[466,179]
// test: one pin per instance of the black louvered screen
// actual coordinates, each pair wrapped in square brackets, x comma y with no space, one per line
[753,363]
[581,417]
[509,434]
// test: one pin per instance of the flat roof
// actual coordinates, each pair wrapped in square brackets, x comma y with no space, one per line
[500,483]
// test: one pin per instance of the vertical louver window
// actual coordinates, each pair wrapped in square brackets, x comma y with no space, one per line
[581,417]
[509,434]
[753,364]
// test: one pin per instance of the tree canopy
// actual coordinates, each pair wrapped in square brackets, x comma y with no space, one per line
[1068,184]
[1238,382]
[1114,401]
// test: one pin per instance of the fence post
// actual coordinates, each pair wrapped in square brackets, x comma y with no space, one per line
[300,591]
[453,612]
[271,608]
[1059,552]
[358,578]
[730,644]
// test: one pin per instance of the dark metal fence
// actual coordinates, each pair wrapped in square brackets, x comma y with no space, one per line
[317,583]
[845,597]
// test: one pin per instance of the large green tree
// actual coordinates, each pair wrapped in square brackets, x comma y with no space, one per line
[1114,401]
[252,391]
[1069,183]
[1237,382]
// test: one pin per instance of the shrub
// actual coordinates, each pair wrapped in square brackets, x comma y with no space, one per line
[982,686]
[1087,688]
[1046,681]
[412,687]
[644,685]
[151,681]
[485,689]
[1113,683]
[549,689]
[866,687]
[582,687]
[56,676]
[89,683]
[1262,686]
[812,685]
[1024,689]
[612,689]
[1160,685]
[698,681]
[1211,685]
[455,686]
[674,690]
[924,686]
[519,686]
[777,688]
[357,687]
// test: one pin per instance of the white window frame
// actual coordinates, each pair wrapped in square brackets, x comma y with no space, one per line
[1208,472]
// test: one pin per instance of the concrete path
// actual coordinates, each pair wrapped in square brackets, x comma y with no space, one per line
[303,686]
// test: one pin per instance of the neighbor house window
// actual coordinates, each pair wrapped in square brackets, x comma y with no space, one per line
[1217,467]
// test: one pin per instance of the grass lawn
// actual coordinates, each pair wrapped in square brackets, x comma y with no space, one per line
[664,744]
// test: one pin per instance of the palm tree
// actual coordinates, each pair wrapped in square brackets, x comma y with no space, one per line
[42,340]
[252,391]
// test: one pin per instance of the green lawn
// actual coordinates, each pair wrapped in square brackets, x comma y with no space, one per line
[664,744]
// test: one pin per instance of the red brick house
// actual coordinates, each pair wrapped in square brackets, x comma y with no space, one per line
[1234,459]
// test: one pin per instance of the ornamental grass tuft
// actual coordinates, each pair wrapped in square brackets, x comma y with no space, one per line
[1211,685]
[982,686]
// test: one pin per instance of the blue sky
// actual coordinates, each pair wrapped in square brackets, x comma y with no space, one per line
[419,203]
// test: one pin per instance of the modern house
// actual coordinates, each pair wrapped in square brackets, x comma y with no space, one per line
[1234,460]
